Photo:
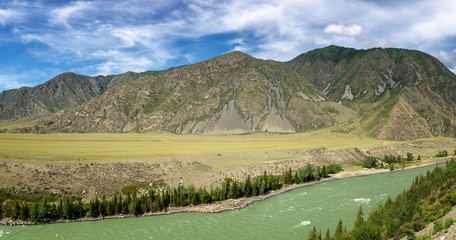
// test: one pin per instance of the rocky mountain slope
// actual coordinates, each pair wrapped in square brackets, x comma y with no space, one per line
[234,93]
[386,93]
[63,91]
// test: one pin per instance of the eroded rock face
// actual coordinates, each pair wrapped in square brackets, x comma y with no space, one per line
[231,94]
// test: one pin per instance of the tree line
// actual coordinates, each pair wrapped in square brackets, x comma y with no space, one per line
[70,208]
[374,162]
[429,198]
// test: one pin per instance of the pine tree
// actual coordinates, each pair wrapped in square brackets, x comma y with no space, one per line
[410,157]
[79,209]
[34,213]
[360,218]
[339,229]
[16,211]
[102,206]
[60,208]
[318,173]
[328,235]
[313,234]
[248,187]
[151,195]
[43,211]
[324,172]
[289,176]
[255,191]
[67,209]
[119,204]
[296,178]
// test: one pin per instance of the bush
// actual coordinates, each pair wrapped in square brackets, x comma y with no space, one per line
[443,153]
[410,157]
[370,162]
[448,222]
[438,226]
[130,190]
[334,168]
[446,210]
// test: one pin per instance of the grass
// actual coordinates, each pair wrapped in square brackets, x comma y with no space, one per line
[103,147]
[216,151]
[21,123]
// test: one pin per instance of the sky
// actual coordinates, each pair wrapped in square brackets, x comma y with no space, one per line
[40,39]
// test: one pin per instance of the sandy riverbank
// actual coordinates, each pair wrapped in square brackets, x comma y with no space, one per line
[233,204]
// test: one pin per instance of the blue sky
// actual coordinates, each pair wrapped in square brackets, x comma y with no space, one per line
[41,39]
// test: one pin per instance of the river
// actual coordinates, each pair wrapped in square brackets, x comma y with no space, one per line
[287,216]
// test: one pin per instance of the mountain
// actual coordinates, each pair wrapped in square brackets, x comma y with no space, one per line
[63,91]
[233,93]
[399,94]
[387,93]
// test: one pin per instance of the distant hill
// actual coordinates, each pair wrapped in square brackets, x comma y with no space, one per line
[387,93]
[63,91]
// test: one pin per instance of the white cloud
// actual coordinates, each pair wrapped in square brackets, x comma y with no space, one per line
[353,30]
[137,35]
[63,14]
[120,62]
[9,82]
[448,58]
[9,15]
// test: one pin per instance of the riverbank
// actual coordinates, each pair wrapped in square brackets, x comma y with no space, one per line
[233,204]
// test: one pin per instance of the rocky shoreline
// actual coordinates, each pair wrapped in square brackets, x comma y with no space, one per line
[231,204]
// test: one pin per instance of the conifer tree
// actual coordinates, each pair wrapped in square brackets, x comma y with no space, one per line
[296,178]
[328,235]
[339,229]
[248,187]
[360,218]
[79,209]
[313,234]
[24,213]
[67,209]
[16,211]
[43,211]
[324,172]
[34,212]
[255,187]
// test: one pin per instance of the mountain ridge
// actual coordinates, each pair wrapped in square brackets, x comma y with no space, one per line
[394,93]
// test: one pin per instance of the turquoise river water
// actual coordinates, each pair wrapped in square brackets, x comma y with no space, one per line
[287,216]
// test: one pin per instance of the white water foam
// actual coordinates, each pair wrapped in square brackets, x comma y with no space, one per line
[362,200]
[304,223]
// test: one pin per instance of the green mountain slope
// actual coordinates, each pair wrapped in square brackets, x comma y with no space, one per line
[399,94]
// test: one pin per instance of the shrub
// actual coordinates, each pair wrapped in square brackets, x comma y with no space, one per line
[370,162]
[130,190]
[334,168]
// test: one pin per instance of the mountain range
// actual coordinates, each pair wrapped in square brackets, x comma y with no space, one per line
[386,93]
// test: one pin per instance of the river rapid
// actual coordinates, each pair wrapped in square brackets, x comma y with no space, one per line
[286,216]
